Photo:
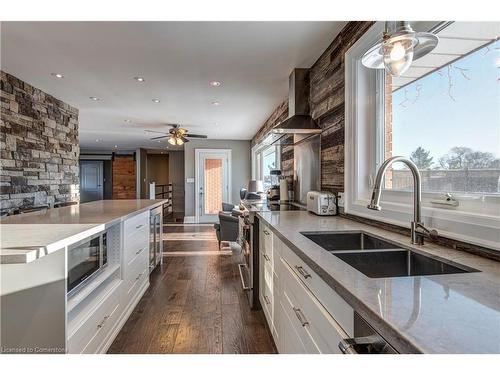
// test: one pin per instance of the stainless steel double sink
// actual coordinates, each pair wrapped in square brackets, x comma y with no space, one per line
[378,258]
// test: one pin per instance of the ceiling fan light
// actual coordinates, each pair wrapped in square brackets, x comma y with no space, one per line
[172,141]
[180,142]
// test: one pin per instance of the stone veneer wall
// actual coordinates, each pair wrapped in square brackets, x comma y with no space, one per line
[39,147]
[326,100]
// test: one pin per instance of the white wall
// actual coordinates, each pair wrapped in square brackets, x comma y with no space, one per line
[241,167]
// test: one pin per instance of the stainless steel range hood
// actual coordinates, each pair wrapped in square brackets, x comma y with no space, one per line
[299,125]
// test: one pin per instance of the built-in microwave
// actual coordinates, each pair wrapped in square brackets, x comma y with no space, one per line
[86,259]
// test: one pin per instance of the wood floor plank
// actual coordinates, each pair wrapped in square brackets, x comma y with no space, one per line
[194,304]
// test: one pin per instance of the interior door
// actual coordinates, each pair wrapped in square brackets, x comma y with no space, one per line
[212,184]
[91,180]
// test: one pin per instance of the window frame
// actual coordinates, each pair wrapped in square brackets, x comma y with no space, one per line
[364,121]
[258,152]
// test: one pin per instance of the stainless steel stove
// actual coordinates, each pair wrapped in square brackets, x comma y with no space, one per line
[249,224]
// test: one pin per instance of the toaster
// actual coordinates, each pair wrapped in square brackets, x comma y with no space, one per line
[322,203]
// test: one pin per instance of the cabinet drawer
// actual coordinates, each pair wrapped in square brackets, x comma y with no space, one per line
[331,301]
[319,332]
[136,285]
[92,332]
[135,243]
[136,222]
[136,269]
[266,241]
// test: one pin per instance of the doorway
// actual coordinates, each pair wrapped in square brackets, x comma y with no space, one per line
[213,183]
[91,180]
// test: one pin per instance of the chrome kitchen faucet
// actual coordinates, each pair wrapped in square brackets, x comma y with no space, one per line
[418,230]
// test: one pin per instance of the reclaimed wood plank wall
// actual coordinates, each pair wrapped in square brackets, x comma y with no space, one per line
[326,99]
[124,181]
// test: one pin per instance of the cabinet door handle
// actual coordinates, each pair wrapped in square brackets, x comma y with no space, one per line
[266,232]
[138,251]
[266,257]
[266,299]
[300,316]
[139,276]
[303,272]
[139,226]
[100,325]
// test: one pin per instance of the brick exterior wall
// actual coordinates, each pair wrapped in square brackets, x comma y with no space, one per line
[39,147]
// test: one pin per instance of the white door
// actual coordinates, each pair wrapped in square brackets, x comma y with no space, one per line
[213,182]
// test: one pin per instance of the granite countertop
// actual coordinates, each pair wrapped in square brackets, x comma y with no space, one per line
[455,313]
[27,237]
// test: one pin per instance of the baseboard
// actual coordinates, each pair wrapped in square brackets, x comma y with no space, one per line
[189,219]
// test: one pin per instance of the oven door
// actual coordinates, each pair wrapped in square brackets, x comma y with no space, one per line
[84,260]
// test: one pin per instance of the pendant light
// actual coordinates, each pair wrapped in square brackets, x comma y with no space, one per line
[400,46]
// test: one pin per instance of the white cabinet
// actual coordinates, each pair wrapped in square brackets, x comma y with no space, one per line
[304,314]
[99,315]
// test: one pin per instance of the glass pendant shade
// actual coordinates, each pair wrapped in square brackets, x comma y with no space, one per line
[180,142]
[172,141]
[399,47]
[398,56]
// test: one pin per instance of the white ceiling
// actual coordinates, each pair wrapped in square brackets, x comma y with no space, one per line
[177,59]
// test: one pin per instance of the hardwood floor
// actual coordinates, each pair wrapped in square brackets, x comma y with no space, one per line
[195,303]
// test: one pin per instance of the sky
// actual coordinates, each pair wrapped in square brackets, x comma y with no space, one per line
[437,123]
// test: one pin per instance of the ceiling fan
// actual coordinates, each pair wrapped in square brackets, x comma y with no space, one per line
[177,136]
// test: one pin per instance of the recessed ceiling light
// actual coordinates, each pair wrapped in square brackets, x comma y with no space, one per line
[215,83]
[156,100]
[97,140]
[116,146]
[139,79]
[159,141]
[127,120]
[57,75]
[215,103]
[94,98]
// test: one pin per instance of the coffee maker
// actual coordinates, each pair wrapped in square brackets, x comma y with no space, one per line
[273,194]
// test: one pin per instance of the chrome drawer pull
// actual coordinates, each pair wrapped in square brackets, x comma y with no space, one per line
[300,316]
[139,251]
[138,277]
[139,226]
[100,325]
[266,299]
[266,232]
[266,257]
[303,272]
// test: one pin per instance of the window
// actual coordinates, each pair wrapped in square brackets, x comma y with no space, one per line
[265,159]
[443,113]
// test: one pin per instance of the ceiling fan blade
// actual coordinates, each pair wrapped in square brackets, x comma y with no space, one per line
[195,135]
[163,136]
[154,131]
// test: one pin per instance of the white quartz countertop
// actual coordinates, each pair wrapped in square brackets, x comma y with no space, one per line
[454,313]
[27,237]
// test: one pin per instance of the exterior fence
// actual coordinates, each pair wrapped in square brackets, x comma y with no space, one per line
[462,180]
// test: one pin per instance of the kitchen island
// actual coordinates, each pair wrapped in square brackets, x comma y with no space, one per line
[38,315]
[449,313]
